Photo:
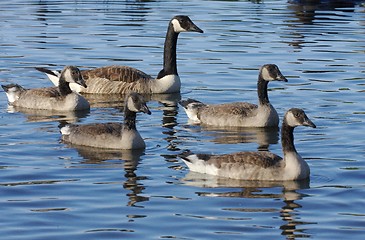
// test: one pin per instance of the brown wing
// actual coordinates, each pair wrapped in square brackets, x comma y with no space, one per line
[116,73]
[50,92]
[238,108]
[261,159]
[97,129]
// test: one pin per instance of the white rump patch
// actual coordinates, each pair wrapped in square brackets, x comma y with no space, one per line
[12,94]
[198,165]
[192,112]
[54,79]
[66,130]
[177,26]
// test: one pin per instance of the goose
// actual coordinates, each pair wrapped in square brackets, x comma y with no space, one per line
[124,79]
[239,114]
[60,98]
[110,135]
[258,165]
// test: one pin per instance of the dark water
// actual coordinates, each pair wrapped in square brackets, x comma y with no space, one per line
[49,190]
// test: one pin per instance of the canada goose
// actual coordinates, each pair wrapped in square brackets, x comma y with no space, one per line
[59,98]
[258,165]
[123,79]
[111,135]
[239,114]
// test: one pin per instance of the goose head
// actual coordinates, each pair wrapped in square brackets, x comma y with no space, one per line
[271,72]
[183,23]
[13,91]
[296,117]
[136,103]
[72,74]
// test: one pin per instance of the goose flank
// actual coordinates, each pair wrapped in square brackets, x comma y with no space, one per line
[258,165]
[60,98]
[111,135]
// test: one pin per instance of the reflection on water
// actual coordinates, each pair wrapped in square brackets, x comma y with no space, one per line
[231,188]
[262,136]
[52,189]
[37,115]
[308,11]
[128,158]
[234,135]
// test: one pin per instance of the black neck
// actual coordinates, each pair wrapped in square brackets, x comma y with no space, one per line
[64,86]
[262,90]
[169,55]
[129,119]
[287,138]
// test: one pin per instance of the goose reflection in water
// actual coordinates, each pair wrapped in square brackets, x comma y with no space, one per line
[264,137]
[38,115]
[212,186]
[115,158]
[307,10]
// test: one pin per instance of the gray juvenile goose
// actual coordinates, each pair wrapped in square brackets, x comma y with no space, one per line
[111,135]
[258,165]
[239,114]
[123,79]
[60,98]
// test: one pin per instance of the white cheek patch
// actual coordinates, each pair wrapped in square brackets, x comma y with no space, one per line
[291,120]
[177,26]
[68,76]
[131,105]
[266,74]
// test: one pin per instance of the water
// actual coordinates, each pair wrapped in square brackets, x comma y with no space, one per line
[49,190]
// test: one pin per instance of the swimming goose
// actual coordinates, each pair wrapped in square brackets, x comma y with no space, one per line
[123,79]
[60,98]
[239,114]
[111,135]
[258,165]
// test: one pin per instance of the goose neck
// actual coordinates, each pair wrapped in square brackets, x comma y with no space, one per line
[129,119]
[287,138]
[169,59]
[64,87]
[262,91]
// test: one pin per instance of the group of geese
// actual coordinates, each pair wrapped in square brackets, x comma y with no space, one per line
[71,83]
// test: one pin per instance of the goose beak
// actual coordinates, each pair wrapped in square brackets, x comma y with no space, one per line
[309,123]
[195,28]
[81,82]
[281,77]
[145,109]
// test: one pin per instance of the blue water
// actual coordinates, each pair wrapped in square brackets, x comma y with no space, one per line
[50,190]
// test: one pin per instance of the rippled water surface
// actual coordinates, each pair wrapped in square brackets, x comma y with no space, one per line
[50,190]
